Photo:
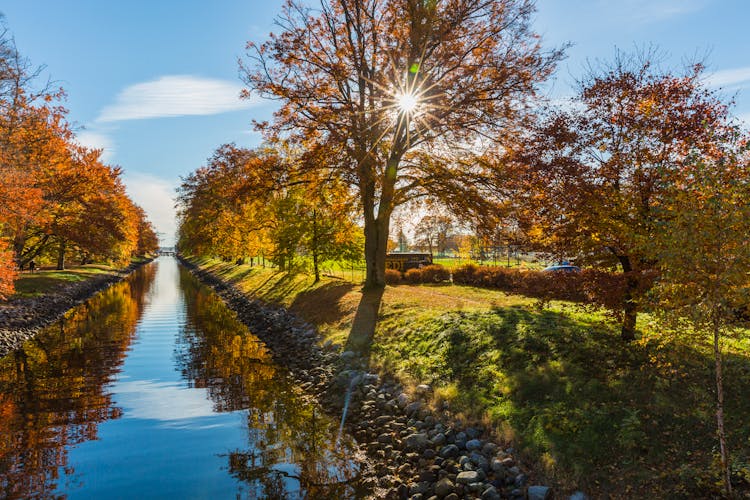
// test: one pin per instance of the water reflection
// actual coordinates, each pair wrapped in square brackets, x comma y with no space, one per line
[153,389]
[290,449]
[53,389]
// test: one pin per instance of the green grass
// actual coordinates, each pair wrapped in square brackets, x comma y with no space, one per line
[616,419]
[45,281]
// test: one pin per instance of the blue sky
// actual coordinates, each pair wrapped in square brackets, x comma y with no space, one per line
[155,83]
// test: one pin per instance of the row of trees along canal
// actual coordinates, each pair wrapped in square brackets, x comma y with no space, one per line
[58,199]
[387,104]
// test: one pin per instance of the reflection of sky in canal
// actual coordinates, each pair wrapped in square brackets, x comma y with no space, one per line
[153,389]
[161,400]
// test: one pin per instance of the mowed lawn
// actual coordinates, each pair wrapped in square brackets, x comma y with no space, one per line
[45,281]
[586,409]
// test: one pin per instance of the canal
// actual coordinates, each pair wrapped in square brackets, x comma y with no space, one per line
[152,389]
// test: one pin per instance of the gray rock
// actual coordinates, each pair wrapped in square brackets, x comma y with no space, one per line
[385,438]
[444,487]
[579,495]
[413,407]
[497,466]
[449,451]
[473,444]
[423,389]
[348,355]
[520,480]
[402,400]
[538,493]
[490,493]
[479,460]
[419,488]
[467,477]
[476,487]
[489,449]
[438,439]
[416,442]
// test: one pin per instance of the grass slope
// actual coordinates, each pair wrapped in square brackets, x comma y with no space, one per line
[620,420]
[47,280]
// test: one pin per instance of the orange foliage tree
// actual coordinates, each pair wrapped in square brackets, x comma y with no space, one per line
[245,203]
[56,197]
[589,178]
[398,94]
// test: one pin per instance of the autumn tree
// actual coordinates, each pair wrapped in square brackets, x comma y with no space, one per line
[398,93]
[261,202]
[148,240]
[703,256]
[433,231]
[589,176]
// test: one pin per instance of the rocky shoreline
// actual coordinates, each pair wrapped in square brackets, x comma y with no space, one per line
[21,319]
[411,452]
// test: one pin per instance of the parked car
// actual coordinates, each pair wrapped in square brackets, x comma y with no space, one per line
[563,268]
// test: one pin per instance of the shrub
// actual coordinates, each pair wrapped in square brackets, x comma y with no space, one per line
[413,276]
[435,274]
[465,275]
[392,276]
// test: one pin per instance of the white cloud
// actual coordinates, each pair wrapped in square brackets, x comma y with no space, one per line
[730,77]
[175,95]
[165,401]
[156,196]
[97,140]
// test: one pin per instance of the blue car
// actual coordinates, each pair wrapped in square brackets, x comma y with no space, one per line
[563,268]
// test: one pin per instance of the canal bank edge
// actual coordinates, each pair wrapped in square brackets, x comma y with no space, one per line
[412,452]
[21,319]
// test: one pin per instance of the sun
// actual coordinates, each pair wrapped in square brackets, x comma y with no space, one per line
[407,102]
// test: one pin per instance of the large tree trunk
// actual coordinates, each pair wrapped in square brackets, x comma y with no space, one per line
[61,256]
[376,247]
[315,243]
[720,411]
[377,228]
[629,307]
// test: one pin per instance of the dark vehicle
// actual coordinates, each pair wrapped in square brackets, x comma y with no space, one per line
[563,268]
[405,261]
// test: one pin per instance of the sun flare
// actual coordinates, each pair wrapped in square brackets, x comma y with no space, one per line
[407,102]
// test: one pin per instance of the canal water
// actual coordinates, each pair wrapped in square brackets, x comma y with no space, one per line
[152,389]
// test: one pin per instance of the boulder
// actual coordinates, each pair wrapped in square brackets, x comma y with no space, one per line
[444,487]
[416,442]
[467,477]
[538,493]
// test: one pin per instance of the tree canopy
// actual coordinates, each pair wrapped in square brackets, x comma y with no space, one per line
[399,94]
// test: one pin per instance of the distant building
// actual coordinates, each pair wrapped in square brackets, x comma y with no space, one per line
[403,261]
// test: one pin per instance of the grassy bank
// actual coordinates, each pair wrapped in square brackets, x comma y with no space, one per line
[44,281]
[624,420]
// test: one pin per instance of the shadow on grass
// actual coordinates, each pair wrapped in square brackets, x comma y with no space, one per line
[322,305]
[599,414]
[363,326]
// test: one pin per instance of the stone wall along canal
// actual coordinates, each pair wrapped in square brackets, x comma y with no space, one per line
[153,389]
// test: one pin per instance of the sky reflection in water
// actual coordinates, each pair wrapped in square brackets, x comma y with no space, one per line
[153,389]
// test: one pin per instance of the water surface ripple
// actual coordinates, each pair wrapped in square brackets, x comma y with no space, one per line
[153,389]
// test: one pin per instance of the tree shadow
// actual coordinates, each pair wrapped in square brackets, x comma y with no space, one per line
[363,326]
[322,305]
[572,392]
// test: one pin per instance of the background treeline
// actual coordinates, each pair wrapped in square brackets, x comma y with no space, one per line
[58,199]
[260,204]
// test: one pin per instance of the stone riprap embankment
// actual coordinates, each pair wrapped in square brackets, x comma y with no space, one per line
[22,318]
[412,452]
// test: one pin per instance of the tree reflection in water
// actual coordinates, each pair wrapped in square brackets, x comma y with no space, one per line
[291,448]
[53,389]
